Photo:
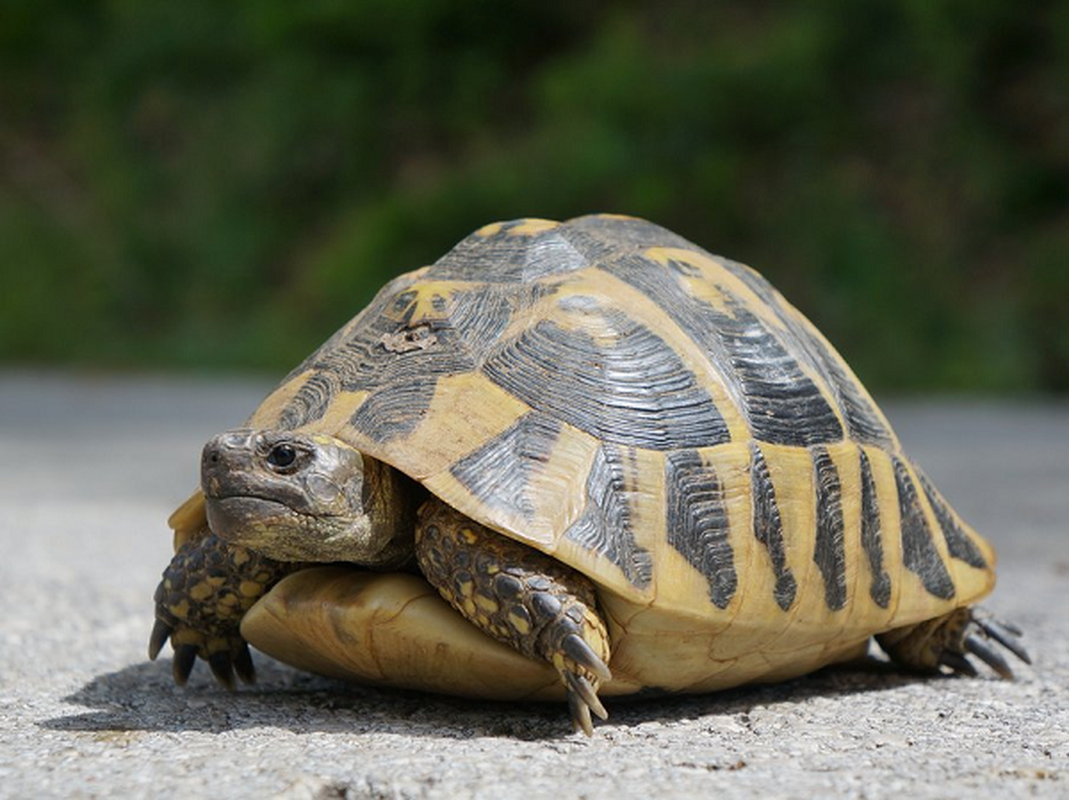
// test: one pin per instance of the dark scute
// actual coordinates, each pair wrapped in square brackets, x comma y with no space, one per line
[629,389]
[918,551]
[507,257]
[863,423]
[498,473]
[829,552]
[311,400]
[332,363]
[698,524]
[781,402]
[785,406]
[872,535]
[768,527]
[552,254]
[400,384]
[394,409]
[605,525]
[496,258]
[599,236]
[959,545]
[593,248]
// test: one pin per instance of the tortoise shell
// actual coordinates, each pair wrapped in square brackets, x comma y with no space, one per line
[663,421]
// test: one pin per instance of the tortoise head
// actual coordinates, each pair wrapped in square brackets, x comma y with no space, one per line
[305,497]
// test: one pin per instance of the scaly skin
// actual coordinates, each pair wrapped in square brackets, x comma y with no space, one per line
[521,597]
[205,591]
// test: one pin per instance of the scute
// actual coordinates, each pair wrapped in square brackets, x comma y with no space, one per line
[616,380]
[499,472]
[781,401]
[697,522]
[657,417]
[606,525]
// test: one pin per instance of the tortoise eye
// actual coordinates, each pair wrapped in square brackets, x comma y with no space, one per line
[282,456]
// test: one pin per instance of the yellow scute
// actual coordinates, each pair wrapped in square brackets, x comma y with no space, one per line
[466,412]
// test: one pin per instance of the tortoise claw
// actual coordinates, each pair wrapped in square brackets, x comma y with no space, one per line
[243,665]
[580,686]
[959,663]
[582,694]
[576,648]
[988,656]
[222,667]
[580,712]
[161,632]
[1006,635]
[232,659]
[1009,627]
[185,656]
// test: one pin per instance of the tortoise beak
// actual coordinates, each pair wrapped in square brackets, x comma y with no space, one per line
[222,456]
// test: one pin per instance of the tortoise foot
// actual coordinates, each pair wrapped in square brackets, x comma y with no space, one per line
[205,591]
[946,642]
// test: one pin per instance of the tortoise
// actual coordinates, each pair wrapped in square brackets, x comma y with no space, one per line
[572,460]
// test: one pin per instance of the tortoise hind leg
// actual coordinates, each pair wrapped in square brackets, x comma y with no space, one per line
[946,641]
[521,597]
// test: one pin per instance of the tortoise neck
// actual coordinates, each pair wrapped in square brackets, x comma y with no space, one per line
[390,500]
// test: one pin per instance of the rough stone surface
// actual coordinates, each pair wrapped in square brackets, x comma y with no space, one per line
[91,466]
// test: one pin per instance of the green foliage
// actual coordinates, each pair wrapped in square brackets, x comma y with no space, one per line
[223,184]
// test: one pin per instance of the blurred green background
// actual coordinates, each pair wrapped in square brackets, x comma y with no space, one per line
[221,185]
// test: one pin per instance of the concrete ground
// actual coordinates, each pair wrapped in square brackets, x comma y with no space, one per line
[90,467]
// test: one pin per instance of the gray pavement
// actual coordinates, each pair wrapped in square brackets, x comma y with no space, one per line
[90,467]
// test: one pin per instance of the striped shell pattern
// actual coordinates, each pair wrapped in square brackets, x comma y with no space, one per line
[657,417]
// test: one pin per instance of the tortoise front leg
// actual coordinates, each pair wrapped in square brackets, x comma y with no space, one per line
[205,591]
[520,597]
